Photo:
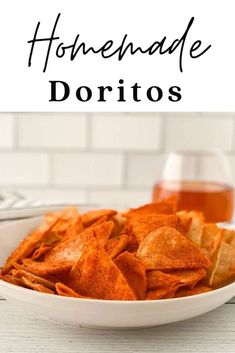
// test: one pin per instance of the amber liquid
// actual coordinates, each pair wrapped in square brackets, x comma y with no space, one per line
[215,200]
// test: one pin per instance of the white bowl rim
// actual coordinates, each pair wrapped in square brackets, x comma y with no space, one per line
[108,301]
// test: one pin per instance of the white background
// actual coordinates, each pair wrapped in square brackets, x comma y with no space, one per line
[207,83]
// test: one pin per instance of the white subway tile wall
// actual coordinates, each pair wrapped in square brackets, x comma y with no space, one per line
[103,158]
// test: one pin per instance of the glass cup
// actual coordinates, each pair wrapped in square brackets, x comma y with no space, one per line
[199,181]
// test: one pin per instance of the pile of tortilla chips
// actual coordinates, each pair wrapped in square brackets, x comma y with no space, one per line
[151,252]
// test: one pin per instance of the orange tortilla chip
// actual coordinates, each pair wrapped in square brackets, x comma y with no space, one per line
[38,287]
[211,239]
[119,223]
[100,221]
[72,246]
[103,232]
[93,216]
[46,268]
[161,280]
[189,278]
[184,224]
[134,272]
[228,236]
[65,214]
[223,265]
[199,289]
[163,207]
[38,253]
[22,272]
[196,227]
[65,291]
[28,245]
[167,249]
[13,280]
[74,227]
[162,293]
[143,225]
[95,275]
[116,245]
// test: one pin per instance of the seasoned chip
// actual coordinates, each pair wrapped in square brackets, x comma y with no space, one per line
[38,287]
[103,232]
[13,280]
[62,226]
[119,223]
[65,214]
[143,225]
[196,227]
[72,246]
[162,293]
[46,268]
[95,275]
[161,280]
[73,227]
[93,216]
[65,291]
[223,265]
[229,236]
[211,239]
[21,271]
[44,248]
[116,245]
[167,249]
[100,221]
[184,224]
[134,272]
[189,278]
[199,289]
[163,207]
[29,244]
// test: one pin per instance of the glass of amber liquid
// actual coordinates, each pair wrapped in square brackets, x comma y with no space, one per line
[199,181]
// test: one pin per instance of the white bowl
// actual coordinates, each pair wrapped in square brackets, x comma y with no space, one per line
[101,313]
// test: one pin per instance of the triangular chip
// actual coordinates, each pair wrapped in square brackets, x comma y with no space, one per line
[119,223]
[103,232]
[223,265]
[72,246]
[65,214]
[166,288]
[143,225]
[100,221]
[189,278]
[21,271]
[196,227]
[95,275]
[161,280]
[211,239]
[38,287]
[184,224]
[163,207]
[65,291]
[199,289]
[229,236]
[13,280]
[41,251]
[29,244]
[73,227]
[116,245]
[46,268]
[167,249]
[93,216]
[134,272]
